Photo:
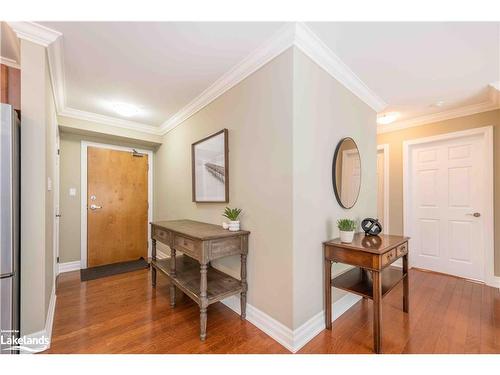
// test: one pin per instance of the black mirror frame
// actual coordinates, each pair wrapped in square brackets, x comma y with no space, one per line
[334,167]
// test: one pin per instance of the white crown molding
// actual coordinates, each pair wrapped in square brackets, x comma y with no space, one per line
[108,120]
[34,32]
[56,67]
[278,43]
[9,62]
[310,44]
[440,116]
[293,34]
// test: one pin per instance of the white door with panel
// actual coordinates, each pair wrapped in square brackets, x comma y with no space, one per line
[446,181]
[381,189]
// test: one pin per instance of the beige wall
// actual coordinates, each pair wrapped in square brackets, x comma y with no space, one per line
[324,113]
[37,219]
[284,122]
[395,141]
[70,206]
[258,114]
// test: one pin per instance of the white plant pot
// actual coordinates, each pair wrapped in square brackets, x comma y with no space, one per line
[346,236]
[234,226]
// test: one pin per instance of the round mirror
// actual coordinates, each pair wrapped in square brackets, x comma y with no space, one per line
[346,172]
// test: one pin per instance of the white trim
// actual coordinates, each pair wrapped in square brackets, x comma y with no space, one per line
[490,105]
[292,34]
[83,190]
[278,43]
[34,32]
[49,323]
[57,76]
[385,149]
[309,43]
[161,255]
[9,62]
[293,340]
[108,120]
[68,266]
[488,213]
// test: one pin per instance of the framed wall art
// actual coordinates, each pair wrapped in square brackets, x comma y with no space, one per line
[210,168]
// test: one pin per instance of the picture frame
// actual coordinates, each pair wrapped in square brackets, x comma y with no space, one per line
[210,168]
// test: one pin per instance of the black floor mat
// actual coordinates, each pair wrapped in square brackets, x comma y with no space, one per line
[112,269]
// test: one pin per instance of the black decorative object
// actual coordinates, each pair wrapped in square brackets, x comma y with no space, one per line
[372,227]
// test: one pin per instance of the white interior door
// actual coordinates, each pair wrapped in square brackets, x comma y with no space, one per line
[380,188]
[446,181]
[351,176]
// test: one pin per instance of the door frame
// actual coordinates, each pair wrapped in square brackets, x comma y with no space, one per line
[385,149]
[83,189]
[488,212]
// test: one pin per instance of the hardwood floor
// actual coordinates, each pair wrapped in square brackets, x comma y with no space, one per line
[123,314]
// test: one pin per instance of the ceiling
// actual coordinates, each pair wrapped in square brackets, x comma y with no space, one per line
[162,67]
[157,66]
[413,66]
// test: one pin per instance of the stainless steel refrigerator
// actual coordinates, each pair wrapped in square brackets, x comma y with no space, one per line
[9,227]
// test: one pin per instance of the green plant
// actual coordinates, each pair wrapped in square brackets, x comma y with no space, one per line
[232,213]
[346,225]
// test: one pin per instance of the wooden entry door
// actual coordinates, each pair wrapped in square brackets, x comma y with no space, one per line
[117,206]
[447,180]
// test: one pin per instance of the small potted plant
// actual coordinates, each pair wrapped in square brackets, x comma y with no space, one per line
[346,227]
[233,214]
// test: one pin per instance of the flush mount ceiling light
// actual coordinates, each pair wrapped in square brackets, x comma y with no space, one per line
[387,118]
[124,109]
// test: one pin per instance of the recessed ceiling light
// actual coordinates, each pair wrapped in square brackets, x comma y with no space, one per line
[124,109]
[439,103]
[387,118]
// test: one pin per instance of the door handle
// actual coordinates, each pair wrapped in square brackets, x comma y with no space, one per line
[475,214]
[95,207]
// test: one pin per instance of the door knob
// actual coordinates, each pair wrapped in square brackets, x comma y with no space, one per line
[95,207]
[475,214]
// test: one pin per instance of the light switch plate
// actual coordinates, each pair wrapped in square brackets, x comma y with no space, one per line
[49,184]
[72,192]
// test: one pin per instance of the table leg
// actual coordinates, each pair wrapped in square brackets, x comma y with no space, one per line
[173,274]
[203,302]
[406,285]
[328,293]
[153,256]
[377,311]
[244,286]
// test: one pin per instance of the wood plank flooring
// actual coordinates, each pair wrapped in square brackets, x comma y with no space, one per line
[123,314]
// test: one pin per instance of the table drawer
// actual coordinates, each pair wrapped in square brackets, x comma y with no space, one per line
[402,250]
[388,258]
[187,246]
[161,235]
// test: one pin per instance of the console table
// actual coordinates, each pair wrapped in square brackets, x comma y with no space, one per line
[372,277]
[191,273]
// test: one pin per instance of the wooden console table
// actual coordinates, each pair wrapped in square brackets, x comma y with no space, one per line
[372,277]
[191,273]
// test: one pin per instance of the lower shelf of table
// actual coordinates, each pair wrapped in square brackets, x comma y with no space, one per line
[360,281]
[187,279]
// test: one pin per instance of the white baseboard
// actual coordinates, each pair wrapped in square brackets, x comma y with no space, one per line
[68,267]
[41,340]
[293,340]
[161,255]
[494,282]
